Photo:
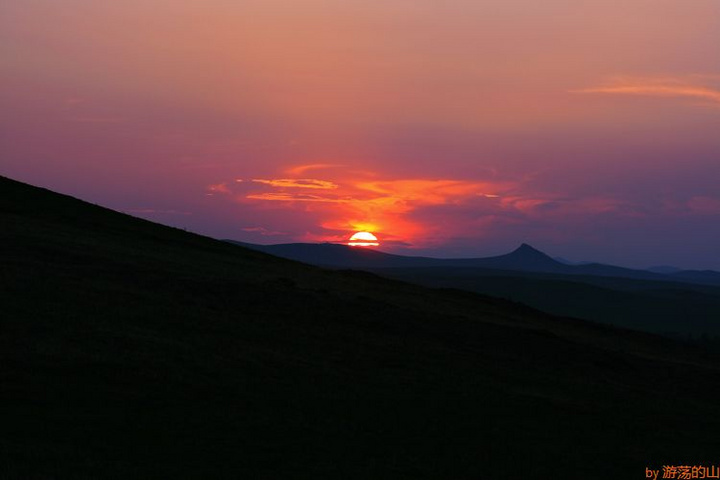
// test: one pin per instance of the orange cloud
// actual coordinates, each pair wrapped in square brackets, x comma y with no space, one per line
[660,87]
[381,206]
[429,192]
[547,206]
[218,188]
[414,212]
[297,183]
[293,197]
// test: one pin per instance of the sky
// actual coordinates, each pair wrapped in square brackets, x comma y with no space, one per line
[589,129]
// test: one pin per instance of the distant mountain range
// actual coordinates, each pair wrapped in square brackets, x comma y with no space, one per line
[674,303]
[523,259]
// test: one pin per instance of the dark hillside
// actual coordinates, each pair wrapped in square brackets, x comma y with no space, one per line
[133,350]
[680,310]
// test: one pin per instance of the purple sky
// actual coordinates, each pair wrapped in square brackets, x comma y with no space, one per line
[589,129]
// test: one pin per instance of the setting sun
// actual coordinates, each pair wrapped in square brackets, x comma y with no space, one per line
[363,239]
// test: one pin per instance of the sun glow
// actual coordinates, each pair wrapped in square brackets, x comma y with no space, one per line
[363,239]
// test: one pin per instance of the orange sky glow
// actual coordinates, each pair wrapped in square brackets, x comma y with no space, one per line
[458,128]
[352,201]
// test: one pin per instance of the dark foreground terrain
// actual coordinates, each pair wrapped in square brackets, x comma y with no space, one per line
[129,350]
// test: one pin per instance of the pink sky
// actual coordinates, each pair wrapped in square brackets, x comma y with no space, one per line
[589,129]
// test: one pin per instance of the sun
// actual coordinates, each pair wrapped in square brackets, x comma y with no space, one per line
[363,239]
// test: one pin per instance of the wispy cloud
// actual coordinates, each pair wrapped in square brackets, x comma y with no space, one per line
[348,203]
[297,183]
[219,188]
[302,169]
[418,211]
[294,197]
[421,191]
[696,86]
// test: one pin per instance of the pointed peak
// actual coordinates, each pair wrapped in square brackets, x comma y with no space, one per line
[525,248]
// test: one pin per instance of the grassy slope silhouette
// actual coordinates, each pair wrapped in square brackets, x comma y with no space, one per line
[133,350]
